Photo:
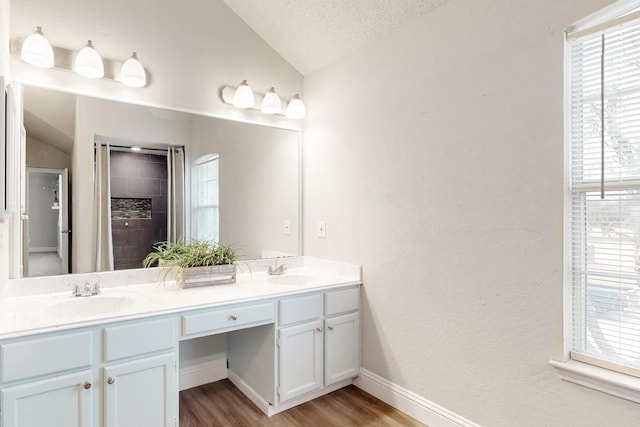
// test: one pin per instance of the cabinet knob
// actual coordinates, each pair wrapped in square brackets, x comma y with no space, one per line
[330,328]
[111,380]
[318,329]
[86,385]
[233,317]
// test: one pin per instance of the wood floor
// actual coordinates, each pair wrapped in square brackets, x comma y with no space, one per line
[222,404]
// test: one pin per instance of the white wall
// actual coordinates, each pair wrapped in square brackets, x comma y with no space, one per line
[258,179]
[436,157]
[43,155]
[190,50]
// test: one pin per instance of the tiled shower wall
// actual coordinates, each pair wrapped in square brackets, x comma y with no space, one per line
[144,176]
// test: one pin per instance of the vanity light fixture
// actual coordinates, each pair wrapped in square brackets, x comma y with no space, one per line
[132,72]
[89,63]
[36,50]
[271,103]
[295,108]
[134,148]
[243,98]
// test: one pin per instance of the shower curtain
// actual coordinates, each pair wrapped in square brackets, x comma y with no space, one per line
[175,212]
[102,194]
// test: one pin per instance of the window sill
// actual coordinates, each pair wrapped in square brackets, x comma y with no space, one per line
[604,380]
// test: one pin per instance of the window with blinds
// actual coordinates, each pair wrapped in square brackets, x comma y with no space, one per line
[206,201]
[604,205]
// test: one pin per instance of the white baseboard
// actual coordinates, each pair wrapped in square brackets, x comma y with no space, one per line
[44,249]
[421,409]
[202,373]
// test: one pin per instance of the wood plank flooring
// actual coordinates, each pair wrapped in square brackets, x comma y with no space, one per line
[222,404]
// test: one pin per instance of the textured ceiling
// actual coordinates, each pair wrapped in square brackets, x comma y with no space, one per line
[310,34]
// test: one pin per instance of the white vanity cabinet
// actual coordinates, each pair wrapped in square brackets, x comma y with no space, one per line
[120,375]
[342,335]
[300,346]
[139,375]
[318,341]
[47,381]
[64,400]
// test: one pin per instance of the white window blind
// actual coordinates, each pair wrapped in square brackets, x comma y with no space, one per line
[604,213]
[206,200]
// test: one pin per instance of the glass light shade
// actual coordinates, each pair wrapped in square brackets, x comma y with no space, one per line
[243,98]
[89,63]
[36,50]
[271,103]
[132,72]
[296,108]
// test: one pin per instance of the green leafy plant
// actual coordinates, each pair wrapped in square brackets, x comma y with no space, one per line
[192,253]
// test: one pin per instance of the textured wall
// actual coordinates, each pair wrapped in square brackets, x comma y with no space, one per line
[436,157]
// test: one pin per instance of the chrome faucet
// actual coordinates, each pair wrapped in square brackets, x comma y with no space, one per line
[86,291]
[276,269]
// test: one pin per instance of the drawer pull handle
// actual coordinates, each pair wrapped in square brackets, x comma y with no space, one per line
[111,380]
[331,328]
[318,329]
[87,385]
[233,317]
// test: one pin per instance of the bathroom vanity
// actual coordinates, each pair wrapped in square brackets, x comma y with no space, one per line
[112,359]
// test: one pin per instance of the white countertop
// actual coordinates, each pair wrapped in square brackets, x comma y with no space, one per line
[30,306]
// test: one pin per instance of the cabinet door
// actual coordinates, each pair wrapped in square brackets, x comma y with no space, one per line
[300,359]
[342,348]
[63,401]
[141,393]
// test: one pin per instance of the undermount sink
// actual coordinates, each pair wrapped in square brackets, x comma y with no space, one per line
[289,279]
[89,306]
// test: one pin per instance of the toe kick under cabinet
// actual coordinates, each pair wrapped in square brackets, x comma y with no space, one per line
[280,351]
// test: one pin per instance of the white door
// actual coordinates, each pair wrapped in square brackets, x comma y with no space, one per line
[64,401]
[141,393]
[342,348]
[300,361]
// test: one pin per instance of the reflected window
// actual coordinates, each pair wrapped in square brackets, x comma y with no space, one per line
[206,200]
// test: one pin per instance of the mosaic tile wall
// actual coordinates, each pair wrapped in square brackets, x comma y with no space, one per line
[129,207]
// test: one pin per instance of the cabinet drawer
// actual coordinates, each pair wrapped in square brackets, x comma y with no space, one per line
[138,338]
[342,301]
[43,356]
[293,310]
[228,319]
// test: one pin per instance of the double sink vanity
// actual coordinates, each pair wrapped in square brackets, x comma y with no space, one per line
[112,359]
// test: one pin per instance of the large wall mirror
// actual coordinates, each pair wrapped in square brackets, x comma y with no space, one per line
[252,171]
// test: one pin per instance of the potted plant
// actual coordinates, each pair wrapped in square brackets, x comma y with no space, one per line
[197,263]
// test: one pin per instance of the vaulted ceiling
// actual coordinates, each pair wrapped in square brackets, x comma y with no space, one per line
[310,34]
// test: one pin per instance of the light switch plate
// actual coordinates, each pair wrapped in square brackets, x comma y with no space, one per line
[287,227]
[322,229]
